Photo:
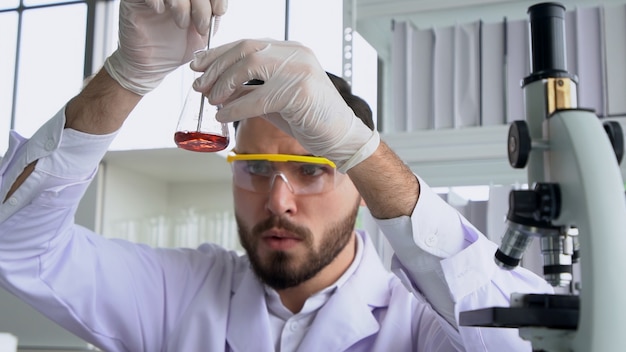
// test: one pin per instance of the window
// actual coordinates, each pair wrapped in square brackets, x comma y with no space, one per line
[46,53]
[49,46]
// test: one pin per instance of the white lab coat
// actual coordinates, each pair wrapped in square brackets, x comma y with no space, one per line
[122,296]
[372,311]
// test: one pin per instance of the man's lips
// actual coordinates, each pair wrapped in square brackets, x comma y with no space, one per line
[281,234]
[280,240]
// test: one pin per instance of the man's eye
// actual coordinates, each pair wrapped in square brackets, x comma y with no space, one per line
[312,170]
[261,168]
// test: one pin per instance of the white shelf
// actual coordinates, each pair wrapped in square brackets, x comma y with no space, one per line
[447,157]
[461,157]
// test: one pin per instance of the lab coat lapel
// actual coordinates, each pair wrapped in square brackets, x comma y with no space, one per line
[248,320]
[347,316]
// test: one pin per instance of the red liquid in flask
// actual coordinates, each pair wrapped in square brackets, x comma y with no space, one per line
[200,142]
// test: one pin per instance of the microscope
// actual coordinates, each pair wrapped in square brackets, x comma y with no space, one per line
[575,207]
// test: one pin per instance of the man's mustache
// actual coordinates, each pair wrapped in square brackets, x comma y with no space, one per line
[277,222]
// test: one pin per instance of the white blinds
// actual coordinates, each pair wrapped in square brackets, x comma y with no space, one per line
[470,74]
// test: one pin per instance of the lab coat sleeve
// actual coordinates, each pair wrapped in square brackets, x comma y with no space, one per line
[451,263]
[111,293]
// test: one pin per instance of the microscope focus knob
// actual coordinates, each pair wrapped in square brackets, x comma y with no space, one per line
[518,144]
[537,207]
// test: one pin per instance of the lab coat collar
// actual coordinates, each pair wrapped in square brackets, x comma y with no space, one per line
[347,316]
[345,319]
[248,321]
[371,281]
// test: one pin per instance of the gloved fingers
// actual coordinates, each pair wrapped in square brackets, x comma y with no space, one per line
[157,5]
[199,10]
[233,81]
[218,60]
[279,64]
[203,58]
[202,10]
[226,53]
[219,7]
[248,101]
[181,12]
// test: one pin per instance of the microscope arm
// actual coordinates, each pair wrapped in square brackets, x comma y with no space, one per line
[581,160]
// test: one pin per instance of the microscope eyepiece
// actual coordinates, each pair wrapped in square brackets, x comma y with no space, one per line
[547,26]
[547,43]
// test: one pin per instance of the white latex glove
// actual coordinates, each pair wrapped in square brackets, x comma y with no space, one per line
[297,96]
[156,37]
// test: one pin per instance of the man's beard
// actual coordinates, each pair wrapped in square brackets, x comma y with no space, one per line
[278,270]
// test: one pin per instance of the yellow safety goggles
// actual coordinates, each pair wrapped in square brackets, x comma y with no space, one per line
[302,174]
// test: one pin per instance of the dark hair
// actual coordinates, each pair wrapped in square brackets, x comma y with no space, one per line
[360,108]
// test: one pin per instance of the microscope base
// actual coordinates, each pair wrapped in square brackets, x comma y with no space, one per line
[533,310]
[546,320]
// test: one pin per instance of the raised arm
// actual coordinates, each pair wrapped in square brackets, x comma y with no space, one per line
[101,108]
[388,186]
[154,40]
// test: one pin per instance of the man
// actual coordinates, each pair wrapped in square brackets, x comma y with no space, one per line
[302,164]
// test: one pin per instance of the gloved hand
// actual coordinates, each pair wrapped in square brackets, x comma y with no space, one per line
[297,96]
[155,38]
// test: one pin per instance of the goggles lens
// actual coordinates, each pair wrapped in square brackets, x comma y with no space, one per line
[302,174]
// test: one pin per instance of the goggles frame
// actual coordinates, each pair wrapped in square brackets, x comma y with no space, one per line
[284,158]
[232,156]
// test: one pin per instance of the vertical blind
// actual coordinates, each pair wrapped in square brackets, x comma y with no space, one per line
[470,74]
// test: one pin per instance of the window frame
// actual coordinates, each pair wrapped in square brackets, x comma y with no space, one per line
[88,58]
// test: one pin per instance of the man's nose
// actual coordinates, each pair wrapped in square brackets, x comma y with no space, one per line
[276,182]
[281,199]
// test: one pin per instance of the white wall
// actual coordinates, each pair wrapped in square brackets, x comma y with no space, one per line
[319,25]
[129,195]
[205,196]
